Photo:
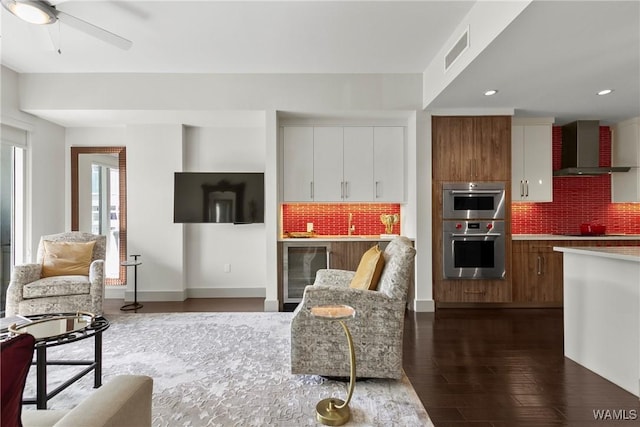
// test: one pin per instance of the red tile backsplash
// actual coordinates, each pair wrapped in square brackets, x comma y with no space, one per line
[577,200]
[333,218]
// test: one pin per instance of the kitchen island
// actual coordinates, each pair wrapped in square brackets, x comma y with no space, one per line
[602,311]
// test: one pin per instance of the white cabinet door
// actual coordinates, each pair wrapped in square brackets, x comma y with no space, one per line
[625,151]
[388,164]
[538,165]
[328,184]
[531,163]
[297,164]
[358,164]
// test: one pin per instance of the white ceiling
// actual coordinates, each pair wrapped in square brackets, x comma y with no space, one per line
[240,37]
[548,62]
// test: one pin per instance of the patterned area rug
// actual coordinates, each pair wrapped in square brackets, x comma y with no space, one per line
[224,369]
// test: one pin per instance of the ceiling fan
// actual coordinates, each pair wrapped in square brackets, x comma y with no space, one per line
[41,12]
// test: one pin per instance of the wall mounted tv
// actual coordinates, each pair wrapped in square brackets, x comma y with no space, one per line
[218,197]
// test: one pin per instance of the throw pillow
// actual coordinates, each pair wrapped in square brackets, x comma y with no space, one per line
[66,258]
[369,270]
[16,355]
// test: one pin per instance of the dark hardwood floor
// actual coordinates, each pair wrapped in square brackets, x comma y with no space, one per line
[484,367]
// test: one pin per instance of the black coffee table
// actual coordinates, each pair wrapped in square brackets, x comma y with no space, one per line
[51,330]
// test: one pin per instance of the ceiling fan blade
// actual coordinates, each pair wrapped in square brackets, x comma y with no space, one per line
[97,32]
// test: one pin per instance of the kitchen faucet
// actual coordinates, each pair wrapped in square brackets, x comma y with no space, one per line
[352,227]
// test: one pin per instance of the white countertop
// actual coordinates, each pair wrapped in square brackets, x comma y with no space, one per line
[626,253]
[564,237]
[341,238]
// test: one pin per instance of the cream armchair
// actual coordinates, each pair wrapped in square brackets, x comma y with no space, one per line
[30,293]
[319,346]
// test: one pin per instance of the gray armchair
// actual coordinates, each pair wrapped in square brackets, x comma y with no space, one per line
[319,346]
[30,293]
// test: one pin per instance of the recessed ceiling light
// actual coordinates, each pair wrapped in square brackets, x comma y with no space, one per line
[605,92]
[491,92]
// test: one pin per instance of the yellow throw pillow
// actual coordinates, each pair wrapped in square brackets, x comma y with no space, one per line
[66,258]
[369,270]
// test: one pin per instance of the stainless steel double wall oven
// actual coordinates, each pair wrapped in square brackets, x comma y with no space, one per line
[473,230]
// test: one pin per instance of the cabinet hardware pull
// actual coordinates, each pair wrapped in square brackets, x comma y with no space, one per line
[543,265]
[342,189]
[475,191]
[467,291]
[346,189]
[377,188]
[521,188]
[526,194]
[539,266]
[311,189]
[476,236]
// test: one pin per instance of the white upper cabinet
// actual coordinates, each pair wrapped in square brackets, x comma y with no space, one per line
[358,164]
[389,164]
[328,163]
[298,163]
[343,164]
[531,162]
[625,151]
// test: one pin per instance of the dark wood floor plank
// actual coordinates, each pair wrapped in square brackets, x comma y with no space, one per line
[504,367]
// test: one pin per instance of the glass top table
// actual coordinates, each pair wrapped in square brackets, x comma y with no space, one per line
[50,330]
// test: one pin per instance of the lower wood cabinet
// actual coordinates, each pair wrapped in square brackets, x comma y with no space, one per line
[346,255]
[471,291]
[537,272]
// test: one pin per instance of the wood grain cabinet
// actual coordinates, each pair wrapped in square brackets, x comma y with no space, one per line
[347,255]
[537,272]
[471,148]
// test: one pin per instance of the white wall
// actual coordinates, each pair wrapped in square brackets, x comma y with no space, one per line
[208,247]
[154,152]
[45,165]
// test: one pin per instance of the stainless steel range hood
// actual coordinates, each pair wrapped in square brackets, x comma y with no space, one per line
[581,150]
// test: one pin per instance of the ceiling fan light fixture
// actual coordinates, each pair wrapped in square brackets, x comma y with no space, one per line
[33,12]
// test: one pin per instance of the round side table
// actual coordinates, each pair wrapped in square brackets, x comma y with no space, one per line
[333,411]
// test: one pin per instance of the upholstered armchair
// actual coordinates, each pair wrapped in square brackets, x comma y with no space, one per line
[43,287]
[319,346]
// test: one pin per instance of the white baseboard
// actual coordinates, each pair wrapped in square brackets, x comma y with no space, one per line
[423,306]
[271,305]
[114,292]
[120,292]
[226,293]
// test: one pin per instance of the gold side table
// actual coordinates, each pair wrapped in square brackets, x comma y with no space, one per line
[333,411]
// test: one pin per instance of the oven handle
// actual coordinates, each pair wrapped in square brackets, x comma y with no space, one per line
[476,191]
[495,235]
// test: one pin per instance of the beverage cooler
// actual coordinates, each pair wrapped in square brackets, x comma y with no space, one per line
[301,261]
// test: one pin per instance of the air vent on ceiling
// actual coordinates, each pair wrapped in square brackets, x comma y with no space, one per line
[454,53]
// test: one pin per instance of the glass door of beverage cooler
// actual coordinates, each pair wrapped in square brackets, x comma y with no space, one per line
[301,261]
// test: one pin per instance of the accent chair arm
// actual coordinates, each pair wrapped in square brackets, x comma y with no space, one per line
[26,273]
[20,276]
[334,277]
[359,299]
[96,274]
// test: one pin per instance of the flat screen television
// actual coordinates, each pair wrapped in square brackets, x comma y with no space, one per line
[218,197]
